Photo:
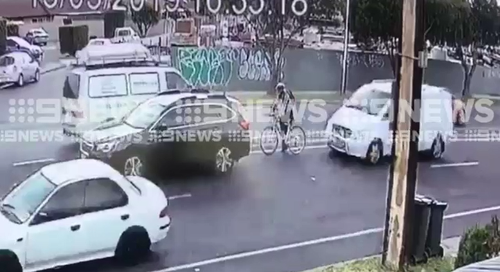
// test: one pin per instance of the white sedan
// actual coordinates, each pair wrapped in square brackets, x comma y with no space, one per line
[18,68]
[78,211]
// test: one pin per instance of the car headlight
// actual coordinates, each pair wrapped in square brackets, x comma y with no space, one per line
[106,147]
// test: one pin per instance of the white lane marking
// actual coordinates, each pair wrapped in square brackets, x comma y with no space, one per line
[253,152]
[306,243]
[23,163]
[179,196]
[458,164]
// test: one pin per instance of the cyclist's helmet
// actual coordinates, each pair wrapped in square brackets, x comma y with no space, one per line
[280,87]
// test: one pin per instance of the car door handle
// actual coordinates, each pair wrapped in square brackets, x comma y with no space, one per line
[75,227]
[125,216]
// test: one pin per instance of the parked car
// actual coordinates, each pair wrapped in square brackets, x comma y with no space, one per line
[173,128]
[16,43]
[38,35]
[362,126]
[76,211]
[18,68]
[99,42]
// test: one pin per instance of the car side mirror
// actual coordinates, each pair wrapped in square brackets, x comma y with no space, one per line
[40,218]
[161,127]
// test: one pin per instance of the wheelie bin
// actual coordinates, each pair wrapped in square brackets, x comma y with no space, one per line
[433,242]
[421,219]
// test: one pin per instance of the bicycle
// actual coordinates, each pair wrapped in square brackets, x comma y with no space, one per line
[276,132]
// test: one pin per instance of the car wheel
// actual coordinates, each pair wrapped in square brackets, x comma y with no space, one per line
[133,166]
[374,153]
[224,161]
[37,76]
[20,80]
[437,148]
[9,262]
[134,246]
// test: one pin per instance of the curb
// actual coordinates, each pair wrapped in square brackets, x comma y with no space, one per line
[53,69]
[448,245]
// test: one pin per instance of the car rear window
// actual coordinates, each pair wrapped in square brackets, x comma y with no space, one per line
[108,85]
[71,88]
[6,61]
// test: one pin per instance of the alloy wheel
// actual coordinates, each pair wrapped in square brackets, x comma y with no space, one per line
[223,160]
[133,167]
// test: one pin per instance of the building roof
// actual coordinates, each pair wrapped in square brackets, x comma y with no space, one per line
[26,8]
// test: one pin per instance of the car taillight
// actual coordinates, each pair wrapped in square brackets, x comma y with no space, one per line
[245,125]
[163,212]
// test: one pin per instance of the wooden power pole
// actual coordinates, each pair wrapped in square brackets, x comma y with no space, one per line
[403,176]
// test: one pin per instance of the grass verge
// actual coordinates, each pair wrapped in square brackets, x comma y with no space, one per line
[373,264]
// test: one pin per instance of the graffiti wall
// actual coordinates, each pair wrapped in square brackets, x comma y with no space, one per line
[248,69]
[226,67]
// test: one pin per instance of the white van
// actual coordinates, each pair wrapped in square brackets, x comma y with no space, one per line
[108,82]
[361,127]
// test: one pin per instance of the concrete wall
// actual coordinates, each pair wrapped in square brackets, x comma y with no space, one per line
[246,69]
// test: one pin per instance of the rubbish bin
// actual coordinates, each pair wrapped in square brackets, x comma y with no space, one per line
[433,242]
[421,218]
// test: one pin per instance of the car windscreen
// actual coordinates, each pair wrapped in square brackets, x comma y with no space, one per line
[369,99]
[71,88]
[27,197]
[144,115]
[6,61]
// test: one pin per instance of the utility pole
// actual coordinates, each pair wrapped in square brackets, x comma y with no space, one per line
[343,85]
[403,178]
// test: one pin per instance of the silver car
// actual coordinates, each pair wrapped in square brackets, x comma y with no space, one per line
[18,68]
[39,35]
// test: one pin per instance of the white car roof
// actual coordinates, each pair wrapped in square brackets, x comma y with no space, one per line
[115,70]
[386,86]
[20,41]
[59,173]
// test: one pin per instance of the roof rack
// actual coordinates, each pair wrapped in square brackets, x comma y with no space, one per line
[169,92]
[200,91]
[115,55]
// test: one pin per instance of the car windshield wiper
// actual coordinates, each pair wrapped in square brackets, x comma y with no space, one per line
[130,125]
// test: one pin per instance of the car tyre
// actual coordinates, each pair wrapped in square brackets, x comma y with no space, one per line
[37,76]
[9,262]
[133,165]
[437,148]
[224,162]
[134,246]
[375,153]
[20,80]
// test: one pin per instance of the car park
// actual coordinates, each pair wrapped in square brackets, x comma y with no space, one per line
[106,82]
[173,128]
[38,35]
[76,211]
[15,43]
[361,127]
[18,68]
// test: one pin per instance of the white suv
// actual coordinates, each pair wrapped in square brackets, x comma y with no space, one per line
[78,211]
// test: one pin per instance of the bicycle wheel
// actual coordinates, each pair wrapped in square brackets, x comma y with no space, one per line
[269,136]
[296,140]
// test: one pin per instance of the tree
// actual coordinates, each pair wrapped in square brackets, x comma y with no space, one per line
[465,25]
[376,24]
[277,22]
[145,18]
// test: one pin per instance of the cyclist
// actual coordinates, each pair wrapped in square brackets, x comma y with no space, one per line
[283,108]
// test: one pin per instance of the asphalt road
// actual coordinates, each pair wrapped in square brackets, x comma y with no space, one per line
[273,201]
